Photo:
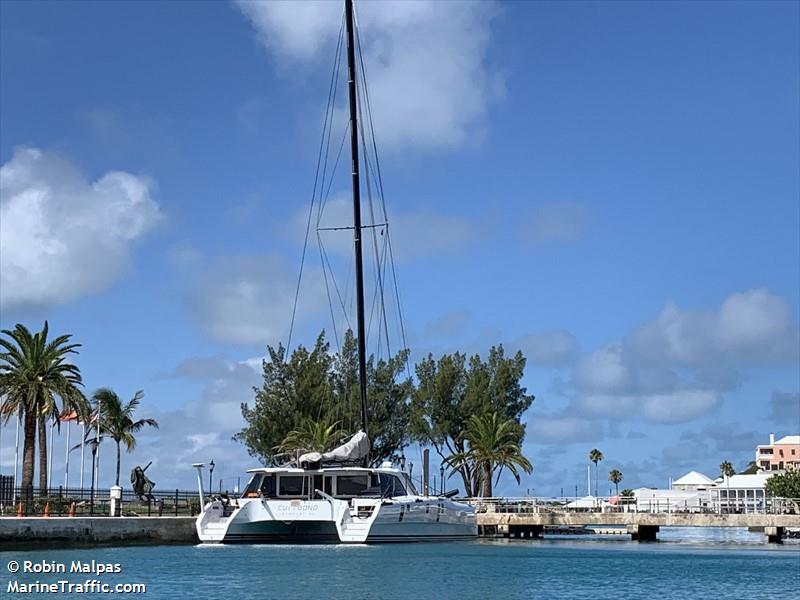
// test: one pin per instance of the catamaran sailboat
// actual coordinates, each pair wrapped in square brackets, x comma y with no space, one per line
[335,504]
[334,496]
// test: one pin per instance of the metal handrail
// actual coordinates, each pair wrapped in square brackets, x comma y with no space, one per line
[612,504]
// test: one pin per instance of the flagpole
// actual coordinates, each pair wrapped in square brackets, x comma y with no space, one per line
[83,445]
[50,459]
[66,461]
[97,472]
[16,451]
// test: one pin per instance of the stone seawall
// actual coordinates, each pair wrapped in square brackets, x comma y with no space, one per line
[76,531]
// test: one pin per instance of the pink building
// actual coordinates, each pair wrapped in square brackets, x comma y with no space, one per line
[779,455]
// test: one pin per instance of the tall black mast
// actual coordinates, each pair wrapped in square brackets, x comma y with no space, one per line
[351,85]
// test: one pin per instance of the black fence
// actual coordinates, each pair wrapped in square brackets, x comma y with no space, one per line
[64,502]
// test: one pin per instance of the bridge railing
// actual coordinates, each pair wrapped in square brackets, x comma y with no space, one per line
[620,504]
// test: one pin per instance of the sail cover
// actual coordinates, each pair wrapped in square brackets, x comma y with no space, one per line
[352,451]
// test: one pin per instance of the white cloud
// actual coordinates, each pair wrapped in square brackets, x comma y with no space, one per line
[753,326]
[676,406]
[562,428]
[249,299]
[415,235]
[430,86]
[673,369]
[604,370]
[680,406]
[63,236]
[548,348]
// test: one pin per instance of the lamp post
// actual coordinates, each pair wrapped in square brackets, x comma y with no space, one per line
[210,473]
[94,443]
[403,462]
[441,479]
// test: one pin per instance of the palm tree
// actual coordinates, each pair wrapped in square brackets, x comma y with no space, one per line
[726,470]
[311,436]
[34,374]
[494,445]
[116,419]
[615,476]
[595,456]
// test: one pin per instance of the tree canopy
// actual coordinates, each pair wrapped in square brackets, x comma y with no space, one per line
[36,375]
[451,390]
[784,485]
[319,386]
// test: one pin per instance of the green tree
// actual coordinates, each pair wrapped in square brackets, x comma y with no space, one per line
[35,376]
[726,469]
[785,485]
[116,420]
[595,456]
[492,445]
[322,387]
[615,476]
[311,436]
[452,389]
[627,496]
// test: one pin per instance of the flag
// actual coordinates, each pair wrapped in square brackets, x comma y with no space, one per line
[68,416]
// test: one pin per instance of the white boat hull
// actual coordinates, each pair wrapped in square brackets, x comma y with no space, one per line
[337,521]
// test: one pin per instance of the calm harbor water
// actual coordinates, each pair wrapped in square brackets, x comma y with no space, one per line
[728,565]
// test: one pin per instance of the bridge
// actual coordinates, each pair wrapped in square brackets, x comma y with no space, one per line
[528,517]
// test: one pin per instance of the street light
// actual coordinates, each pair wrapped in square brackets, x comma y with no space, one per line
[441,472]
[210,473]
[94,443]
[402,462]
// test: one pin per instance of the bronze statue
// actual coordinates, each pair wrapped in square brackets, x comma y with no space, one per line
[142,486]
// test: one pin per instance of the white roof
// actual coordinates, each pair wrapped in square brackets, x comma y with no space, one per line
[789,439]
[756,481]
[587,502]
[693,478]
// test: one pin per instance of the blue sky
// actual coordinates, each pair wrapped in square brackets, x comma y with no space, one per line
[610,187]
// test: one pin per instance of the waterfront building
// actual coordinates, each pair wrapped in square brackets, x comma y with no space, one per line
[741,493]
[779,455]
[693,481]
[674,500]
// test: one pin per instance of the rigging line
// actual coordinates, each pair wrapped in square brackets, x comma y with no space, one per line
[328,293]
[329,109]
[399,301]
[378,277]
[311,207]
[368,104]
[333,171]
[335,285]
[379,286]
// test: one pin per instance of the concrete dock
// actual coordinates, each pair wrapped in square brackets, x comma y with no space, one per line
[95,531]
[641,526]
